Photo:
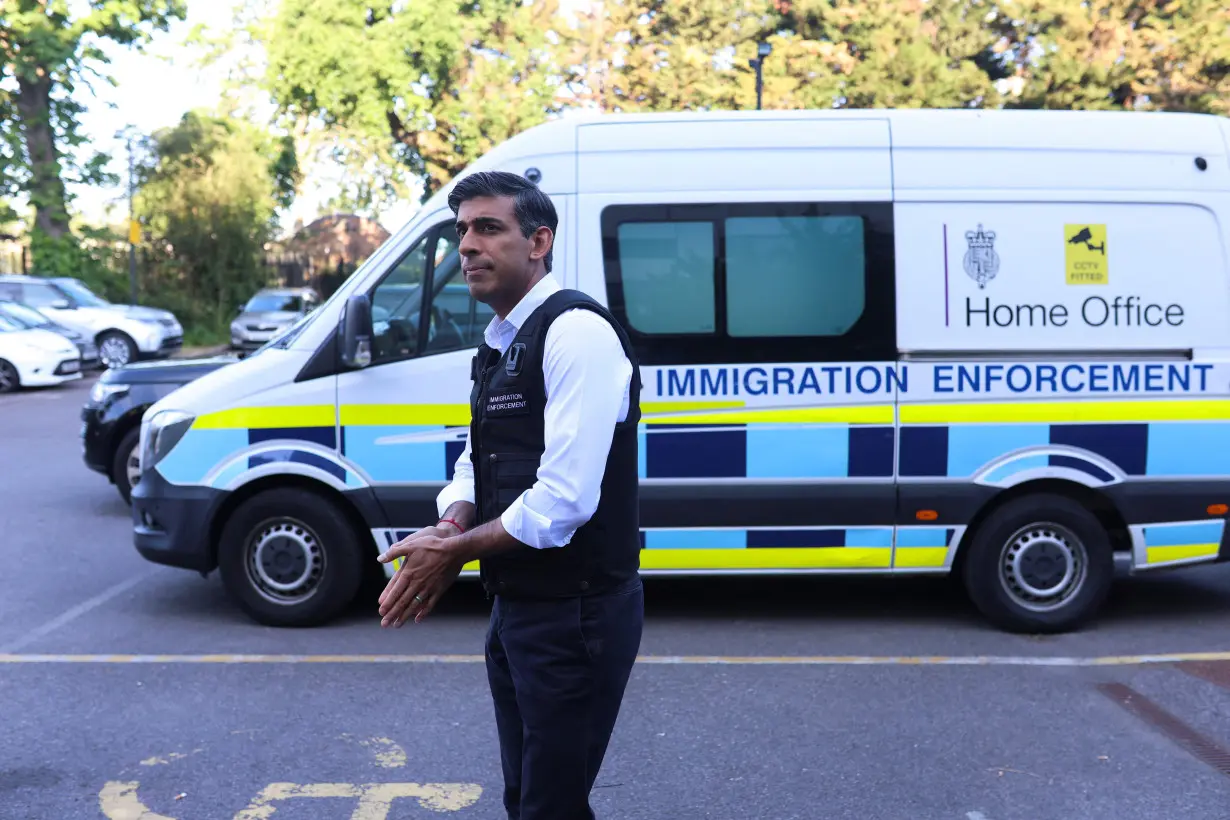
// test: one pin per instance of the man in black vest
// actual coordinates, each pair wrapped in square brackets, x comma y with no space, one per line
[545,496]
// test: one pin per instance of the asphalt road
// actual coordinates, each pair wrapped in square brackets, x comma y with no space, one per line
[1038,731]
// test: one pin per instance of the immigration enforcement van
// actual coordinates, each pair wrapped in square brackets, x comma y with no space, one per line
[988,343]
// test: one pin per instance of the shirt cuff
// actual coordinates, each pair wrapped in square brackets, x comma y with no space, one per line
[452,493]
[529,527]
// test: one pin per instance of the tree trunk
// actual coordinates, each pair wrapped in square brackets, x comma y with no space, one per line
[47,192]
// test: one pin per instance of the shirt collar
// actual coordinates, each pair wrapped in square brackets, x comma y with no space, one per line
[501,331]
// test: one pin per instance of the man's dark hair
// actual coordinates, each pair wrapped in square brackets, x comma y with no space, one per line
[533,208]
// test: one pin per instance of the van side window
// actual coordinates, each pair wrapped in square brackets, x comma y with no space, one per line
[817,260]
[668,276]
[746,282]
[397,306]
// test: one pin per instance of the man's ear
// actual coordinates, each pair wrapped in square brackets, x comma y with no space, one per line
[541,241]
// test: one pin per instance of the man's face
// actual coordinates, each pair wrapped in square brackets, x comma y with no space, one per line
[498,263]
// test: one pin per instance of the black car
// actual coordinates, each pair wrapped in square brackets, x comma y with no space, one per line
[111,418]
[28,317]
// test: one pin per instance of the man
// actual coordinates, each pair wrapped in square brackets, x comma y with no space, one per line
[545,496]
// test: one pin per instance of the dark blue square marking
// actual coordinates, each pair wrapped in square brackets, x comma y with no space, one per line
[700,454]
[1081,464]
[1127,445]
[324,436]
[924,451]
[796,538]
[871,452]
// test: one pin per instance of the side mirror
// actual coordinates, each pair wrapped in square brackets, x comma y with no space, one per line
[239,308]
[61,304]
[356,332]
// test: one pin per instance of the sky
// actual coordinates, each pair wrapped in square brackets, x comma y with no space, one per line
[154,87]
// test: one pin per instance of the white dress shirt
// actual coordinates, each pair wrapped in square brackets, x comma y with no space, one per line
[586,373]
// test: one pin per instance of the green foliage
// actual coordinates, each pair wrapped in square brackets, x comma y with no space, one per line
[208,200]
[48,55]
[438,83]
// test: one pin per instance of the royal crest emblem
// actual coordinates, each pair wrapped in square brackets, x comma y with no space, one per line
[981,261]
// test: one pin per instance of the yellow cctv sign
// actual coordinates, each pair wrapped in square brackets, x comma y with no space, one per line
[134,232]
[1085,254]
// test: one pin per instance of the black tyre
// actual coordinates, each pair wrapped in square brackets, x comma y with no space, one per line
[126,464]
[9,379]
[1040,563]
[116,349]
[290,557]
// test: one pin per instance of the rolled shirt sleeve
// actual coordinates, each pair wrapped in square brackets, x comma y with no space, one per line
[587,377]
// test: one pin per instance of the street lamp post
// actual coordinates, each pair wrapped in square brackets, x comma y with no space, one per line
[132,228]
[762,50]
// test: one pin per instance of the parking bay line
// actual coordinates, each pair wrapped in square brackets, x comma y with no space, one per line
[72,614]
[651,660]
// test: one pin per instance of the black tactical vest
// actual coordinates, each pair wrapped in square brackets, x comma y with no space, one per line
[507,406]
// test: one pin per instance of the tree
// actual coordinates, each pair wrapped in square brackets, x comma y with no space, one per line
[1171,55]
[209,196]
[50,54]
[438,83]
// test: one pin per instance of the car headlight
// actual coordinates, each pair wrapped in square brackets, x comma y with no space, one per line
[101,392]
[161,435]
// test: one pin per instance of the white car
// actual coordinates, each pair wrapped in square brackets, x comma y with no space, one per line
[123,333]
[35,358]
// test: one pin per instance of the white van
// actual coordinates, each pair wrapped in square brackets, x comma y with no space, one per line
[993,343]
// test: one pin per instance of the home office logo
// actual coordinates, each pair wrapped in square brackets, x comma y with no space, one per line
[981,262]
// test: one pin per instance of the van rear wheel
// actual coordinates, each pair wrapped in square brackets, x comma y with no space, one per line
[1041,563]
[289,557]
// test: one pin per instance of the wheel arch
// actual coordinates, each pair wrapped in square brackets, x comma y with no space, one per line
[284,481]
[1092,499]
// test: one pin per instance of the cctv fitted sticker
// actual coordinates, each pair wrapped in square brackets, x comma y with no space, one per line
[1085,254]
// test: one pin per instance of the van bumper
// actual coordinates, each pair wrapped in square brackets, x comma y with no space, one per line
[171,523]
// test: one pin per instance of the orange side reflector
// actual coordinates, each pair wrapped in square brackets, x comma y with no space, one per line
[1218,509]
[926,515]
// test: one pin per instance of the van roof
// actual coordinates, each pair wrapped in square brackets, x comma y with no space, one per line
[1184,133]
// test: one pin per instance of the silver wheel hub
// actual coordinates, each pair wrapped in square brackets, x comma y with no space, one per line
[8,377]
[132,467]
[113,352]
[1043,566]
[285,562]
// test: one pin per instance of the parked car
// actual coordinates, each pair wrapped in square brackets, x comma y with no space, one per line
[268,313]
[32,357]
[111,417]
[31,319]
[123,333]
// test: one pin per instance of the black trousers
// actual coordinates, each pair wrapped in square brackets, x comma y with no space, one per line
[558,670]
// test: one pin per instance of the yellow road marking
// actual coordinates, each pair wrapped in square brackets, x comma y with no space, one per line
[388,753]
[118,801]
[375,799]
[658,660]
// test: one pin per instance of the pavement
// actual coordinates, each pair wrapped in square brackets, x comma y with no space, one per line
[135,692]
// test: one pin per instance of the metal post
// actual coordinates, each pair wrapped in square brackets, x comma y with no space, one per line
[762,51]
[132,239]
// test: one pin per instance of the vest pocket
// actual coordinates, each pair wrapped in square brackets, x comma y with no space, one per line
[511,475]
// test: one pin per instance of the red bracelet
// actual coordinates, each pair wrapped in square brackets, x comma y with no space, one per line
[460,529]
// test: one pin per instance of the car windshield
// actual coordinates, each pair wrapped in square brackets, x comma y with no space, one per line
[268,302]
[23,315]
[81,294]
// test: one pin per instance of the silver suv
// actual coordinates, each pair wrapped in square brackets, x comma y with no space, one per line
[123,333]
[268,313]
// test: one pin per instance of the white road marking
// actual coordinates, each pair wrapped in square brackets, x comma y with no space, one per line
[975,815]
[649,660]
[74,613]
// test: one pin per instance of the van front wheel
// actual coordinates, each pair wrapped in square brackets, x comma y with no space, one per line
[289,557]
[1040,563]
